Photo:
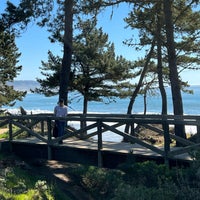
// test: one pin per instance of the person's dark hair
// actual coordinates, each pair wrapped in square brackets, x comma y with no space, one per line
[61,100]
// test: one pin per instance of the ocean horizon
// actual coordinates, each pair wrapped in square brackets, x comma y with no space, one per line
[37,103]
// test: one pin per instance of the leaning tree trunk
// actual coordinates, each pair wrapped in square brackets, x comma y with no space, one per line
[67,55]
[173,72]
[137,89]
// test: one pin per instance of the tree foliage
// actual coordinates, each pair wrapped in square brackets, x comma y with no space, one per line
[8,69]
[96,71]
[9,56]
[176,30]
[51,71]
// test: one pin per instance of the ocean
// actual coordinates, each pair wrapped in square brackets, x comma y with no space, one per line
[36,103]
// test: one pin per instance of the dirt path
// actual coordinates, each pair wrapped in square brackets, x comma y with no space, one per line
[3,130]
[58,171]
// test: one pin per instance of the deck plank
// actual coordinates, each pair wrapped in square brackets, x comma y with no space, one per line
[117,147]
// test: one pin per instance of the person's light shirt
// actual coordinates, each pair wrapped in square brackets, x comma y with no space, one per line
[60,111]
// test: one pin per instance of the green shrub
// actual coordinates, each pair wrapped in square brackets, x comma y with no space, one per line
[101,183]
[11,183]
[141,192]
[147,173]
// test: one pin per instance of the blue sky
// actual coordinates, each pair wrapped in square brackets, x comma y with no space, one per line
[34,44]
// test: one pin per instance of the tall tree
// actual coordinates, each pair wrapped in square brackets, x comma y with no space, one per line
[41,11]
[67,49]
[61,28]
[149,27]
[142,19]
[9,54]
[8,69]
[173,71]
[160,70]
[176,14]
[98,72]
[58,18]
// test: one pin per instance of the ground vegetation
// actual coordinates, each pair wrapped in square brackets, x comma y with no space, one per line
[41,179]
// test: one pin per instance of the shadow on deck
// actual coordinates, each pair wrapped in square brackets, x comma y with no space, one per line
[86,152]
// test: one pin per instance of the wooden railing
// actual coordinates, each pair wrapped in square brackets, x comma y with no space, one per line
[40,127]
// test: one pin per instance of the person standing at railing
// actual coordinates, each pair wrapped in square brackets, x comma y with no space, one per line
[60,110]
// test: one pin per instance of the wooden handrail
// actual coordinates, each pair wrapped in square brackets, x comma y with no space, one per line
[102,123]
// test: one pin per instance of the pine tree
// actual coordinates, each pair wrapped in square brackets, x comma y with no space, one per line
[175,25]
[98,72]
[8,69]
[181,44]
[51,71]
[12,21]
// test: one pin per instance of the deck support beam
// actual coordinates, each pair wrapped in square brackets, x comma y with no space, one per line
[49,139]
[100,144]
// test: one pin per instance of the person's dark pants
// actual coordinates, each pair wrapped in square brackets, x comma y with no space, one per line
[61,127]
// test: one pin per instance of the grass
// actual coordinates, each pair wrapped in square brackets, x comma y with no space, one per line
[20,183]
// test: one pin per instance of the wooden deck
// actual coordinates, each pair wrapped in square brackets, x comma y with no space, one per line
[114,147]
[80,142]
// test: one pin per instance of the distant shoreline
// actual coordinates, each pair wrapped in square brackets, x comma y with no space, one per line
[24,85]
[28,85]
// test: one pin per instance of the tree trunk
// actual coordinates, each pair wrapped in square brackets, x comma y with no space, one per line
[173,72]
[145,102]
[159,65]
[67,55]
[85,108]
[85,105]
[137,89]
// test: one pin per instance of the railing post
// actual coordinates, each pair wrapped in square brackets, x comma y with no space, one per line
[198,132]
[133,129]
[42,127]
[83,124]
[49,139]
[99,130]
[166,141]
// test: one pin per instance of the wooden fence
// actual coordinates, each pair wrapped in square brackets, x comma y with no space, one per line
[40,127]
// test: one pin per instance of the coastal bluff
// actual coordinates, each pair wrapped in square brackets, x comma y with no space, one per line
[24,85]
